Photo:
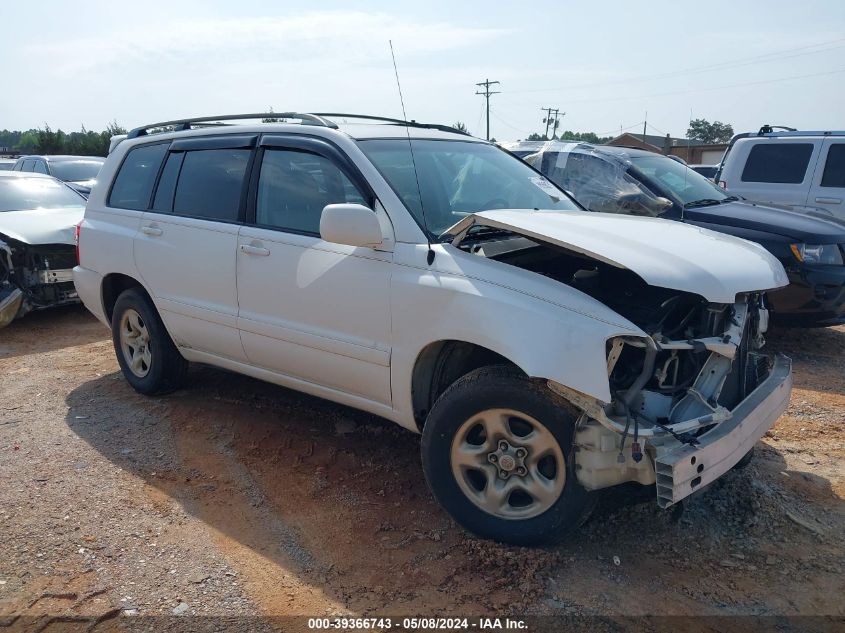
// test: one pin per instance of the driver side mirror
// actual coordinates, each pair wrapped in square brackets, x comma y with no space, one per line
[350,224]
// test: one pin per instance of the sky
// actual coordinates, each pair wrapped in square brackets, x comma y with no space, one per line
[608,65]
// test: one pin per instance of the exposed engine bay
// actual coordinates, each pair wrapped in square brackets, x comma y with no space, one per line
[699,361]
[33,277]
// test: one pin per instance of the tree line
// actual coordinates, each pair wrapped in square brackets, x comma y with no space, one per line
[47,141]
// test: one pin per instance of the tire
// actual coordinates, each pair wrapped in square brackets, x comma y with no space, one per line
[468,482]
[145,352]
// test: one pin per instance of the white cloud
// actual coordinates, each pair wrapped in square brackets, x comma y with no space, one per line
[326,36]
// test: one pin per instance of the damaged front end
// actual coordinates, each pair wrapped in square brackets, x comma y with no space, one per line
[691,391]
[33,277]
[688,402]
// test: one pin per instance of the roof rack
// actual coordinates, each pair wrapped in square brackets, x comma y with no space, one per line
[768,129]
[187,124]
[382,119]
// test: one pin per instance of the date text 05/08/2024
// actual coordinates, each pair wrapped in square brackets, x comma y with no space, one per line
[416,624]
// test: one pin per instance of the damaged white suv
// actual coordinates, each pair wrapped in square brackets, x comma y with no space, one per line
[544,352]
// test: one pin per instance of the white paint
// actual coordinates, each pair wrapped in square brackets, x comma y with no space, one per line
[664,253]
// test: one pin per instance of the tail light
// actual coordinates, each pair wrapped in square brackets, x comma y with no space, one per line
[76,237]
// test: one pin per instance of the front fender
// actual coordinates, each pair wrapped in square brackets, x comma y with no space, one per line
[548,329]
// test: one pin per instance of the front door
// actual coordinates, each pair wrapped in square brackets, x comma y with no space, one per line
[309,309]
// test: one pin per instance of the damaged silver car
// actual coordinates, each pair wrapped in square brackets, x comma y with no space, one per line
[38,219]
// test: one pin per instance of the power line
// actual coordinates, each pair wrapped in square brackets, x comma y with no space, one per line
[710,89]
[513,127]
[744,61]
[487,92]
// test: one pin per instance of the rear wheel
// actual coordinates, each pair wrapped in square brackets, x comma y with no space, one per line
[145,352]
[497,455]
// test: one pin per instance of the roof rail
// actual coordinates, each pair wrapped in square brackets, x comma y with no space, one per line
[187,124]
[768,129]
[382,119]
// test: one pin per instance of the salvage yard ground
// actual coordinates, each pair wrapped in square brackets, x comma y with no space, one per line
[235,497]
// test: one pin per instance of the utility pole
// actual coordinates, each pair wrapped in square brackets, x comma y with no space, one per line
[550,119]
[486,93]
[645,125]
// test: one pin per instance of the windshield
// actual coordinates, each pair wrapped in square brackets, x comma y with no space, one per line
[76,169]
[458,178]
[21,194]
[680,182]
[597,182]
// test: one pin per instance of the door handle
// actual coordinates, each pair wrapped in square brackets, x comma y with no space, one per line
[151,230]
[829,200]
[248,249]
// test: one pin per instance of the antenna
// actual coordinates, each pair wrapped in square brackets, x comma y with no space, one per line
[430,256]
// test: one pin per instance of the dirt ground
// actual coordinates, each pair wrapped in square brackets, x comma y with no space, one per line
[238,498]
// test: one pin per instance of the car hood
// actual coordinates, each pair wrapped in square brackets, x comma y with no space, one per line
[41,226]
[801,227]
[664,253]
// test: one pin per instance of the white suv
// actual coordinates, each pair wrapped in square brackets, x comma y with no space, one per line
[793,169]
[544,352]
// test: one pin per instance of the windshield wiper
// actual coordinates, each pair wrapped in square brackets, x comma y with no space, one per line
[704,202]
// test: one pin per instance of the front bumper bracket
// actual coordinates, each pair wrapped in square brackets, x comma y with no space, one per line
[682,469]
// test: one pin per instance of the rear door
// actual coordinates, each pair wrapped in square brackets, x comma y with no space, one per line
[827,192]
[309,309]
[185,248]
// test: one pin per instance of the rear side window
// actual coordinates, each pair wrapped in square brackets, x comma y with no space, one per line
[294,186]
[784,163]
[40,168]
[834,168]
[167,183]
[134,183]
[210,183]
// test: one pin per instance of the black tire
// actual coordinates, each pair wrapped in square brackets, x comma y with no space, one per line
[167,368]
[502,387]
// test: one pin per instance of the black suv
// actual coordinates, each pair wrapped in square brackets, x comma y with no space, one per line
[637,182]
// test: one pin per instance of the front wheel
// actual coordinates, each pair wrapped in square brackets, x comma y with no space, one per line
[145,352]
[497,454]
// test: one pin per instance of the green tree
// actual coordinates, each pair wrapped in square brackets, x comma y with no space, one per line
[706,132]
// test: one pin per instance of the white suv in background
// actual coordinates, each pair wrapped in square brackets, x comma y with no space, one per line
[544,352]
[791,169]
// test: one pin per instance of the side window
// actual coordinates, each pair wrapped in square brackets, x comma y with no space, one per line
[834,167]
[784,163]
[167,183]
[294,186]
[210,183]
[134,183]
[40,167]
[28,165]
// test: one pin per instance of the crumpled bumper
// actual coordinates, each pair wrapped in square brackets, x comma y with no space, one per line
[682,469]
[10,304]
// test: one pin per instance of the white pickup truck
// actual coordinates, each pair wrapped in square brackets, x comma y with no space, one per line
[543,352]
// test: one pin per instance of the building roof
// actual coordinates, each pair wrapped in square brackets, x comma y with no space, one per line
[654,140]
